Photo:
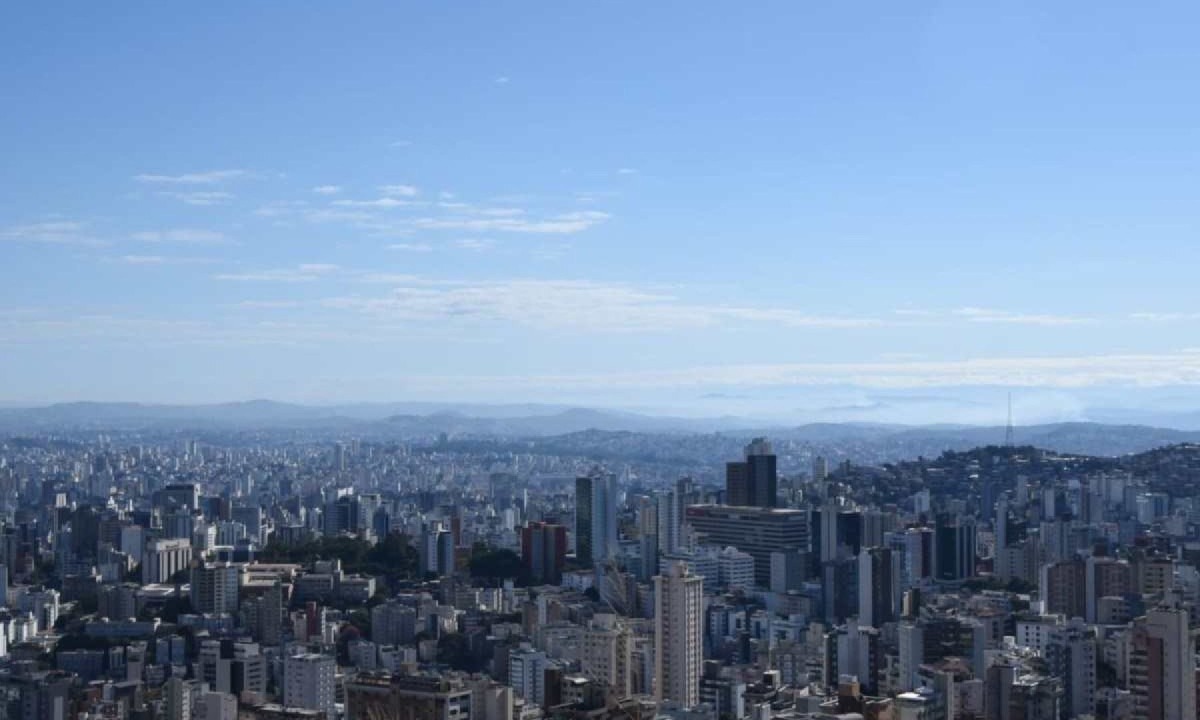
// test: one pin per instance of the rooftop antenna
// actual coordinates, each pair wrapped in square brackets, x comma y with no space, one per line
[1008,430]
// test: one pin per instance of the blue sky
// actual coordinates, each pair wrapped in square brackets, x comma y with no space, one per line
[670,205]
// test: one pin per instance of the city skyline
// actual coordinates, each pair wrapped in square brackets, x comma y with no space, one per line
[828,208]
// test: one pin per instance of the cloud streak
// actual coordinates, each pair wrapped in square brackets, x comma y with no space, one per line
[509,222]
[208,177]
[305,272]
[182,236]
[988,315]
[199,197]
[564,304]
[54,232]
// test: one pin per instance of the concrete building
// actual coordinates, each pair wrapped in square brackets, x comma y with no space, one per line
[678,636]
[308,683]
[214,588]
[755,531]
[164,558]
[383,696]
[1162,664]
[595,517]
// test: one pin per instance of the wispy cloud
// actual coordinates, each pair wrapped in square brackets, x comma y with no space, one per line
[208,177]
[627,171]
[502,80]
[399,190]
[280,208]
[199,197]
[563,224]
[54,232]
[306,272]
[182,236]
[476,244]
[383,203]
[327,189]
[1165,317]
[269,304]
[411,247]
[401,143]
[566,304]
[162,260]
[987,315]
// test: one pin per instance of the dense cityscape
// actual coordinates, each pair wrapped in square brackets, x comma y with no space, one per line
[158,576]
[620,360]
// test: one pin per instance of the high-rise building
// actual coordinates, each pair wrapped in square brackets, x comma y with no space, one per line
[214,588]
[595,517]
[669,521]
[384,696]
[178,694]
[544,551]
[308,682]
[836,533]
[755,531]
[527,674]
[1000,524]
[735,569]
[954,549]
[1162,664]
[820,469]
[393,623]
[1063,587]
[270,615]
[182,495]
[164,558]
[678,636]
[437,551]
[606,653]
[789,570]
[232,667]
[220,706]
[1105,577]
[878,587]
[1071,656]
[753,482]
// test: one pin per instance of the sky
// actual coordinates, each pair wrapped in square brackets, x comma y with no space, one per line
[770,207]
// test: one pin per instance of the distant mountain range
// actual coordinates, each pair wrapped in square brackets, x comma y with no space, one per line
[429,420]
[418,418]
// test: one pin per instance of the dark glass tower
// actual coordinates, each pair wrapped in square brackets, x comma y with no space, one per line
[753,482]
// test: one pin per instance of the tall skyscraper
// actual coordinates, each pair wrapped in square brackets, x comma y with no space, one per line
[669,521]
[820,469]
[754,481]
[678,635]
[1071,655]
[954,551]
[877,586]
[1162,664]
[544,551]
[595,517]
[437,551]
